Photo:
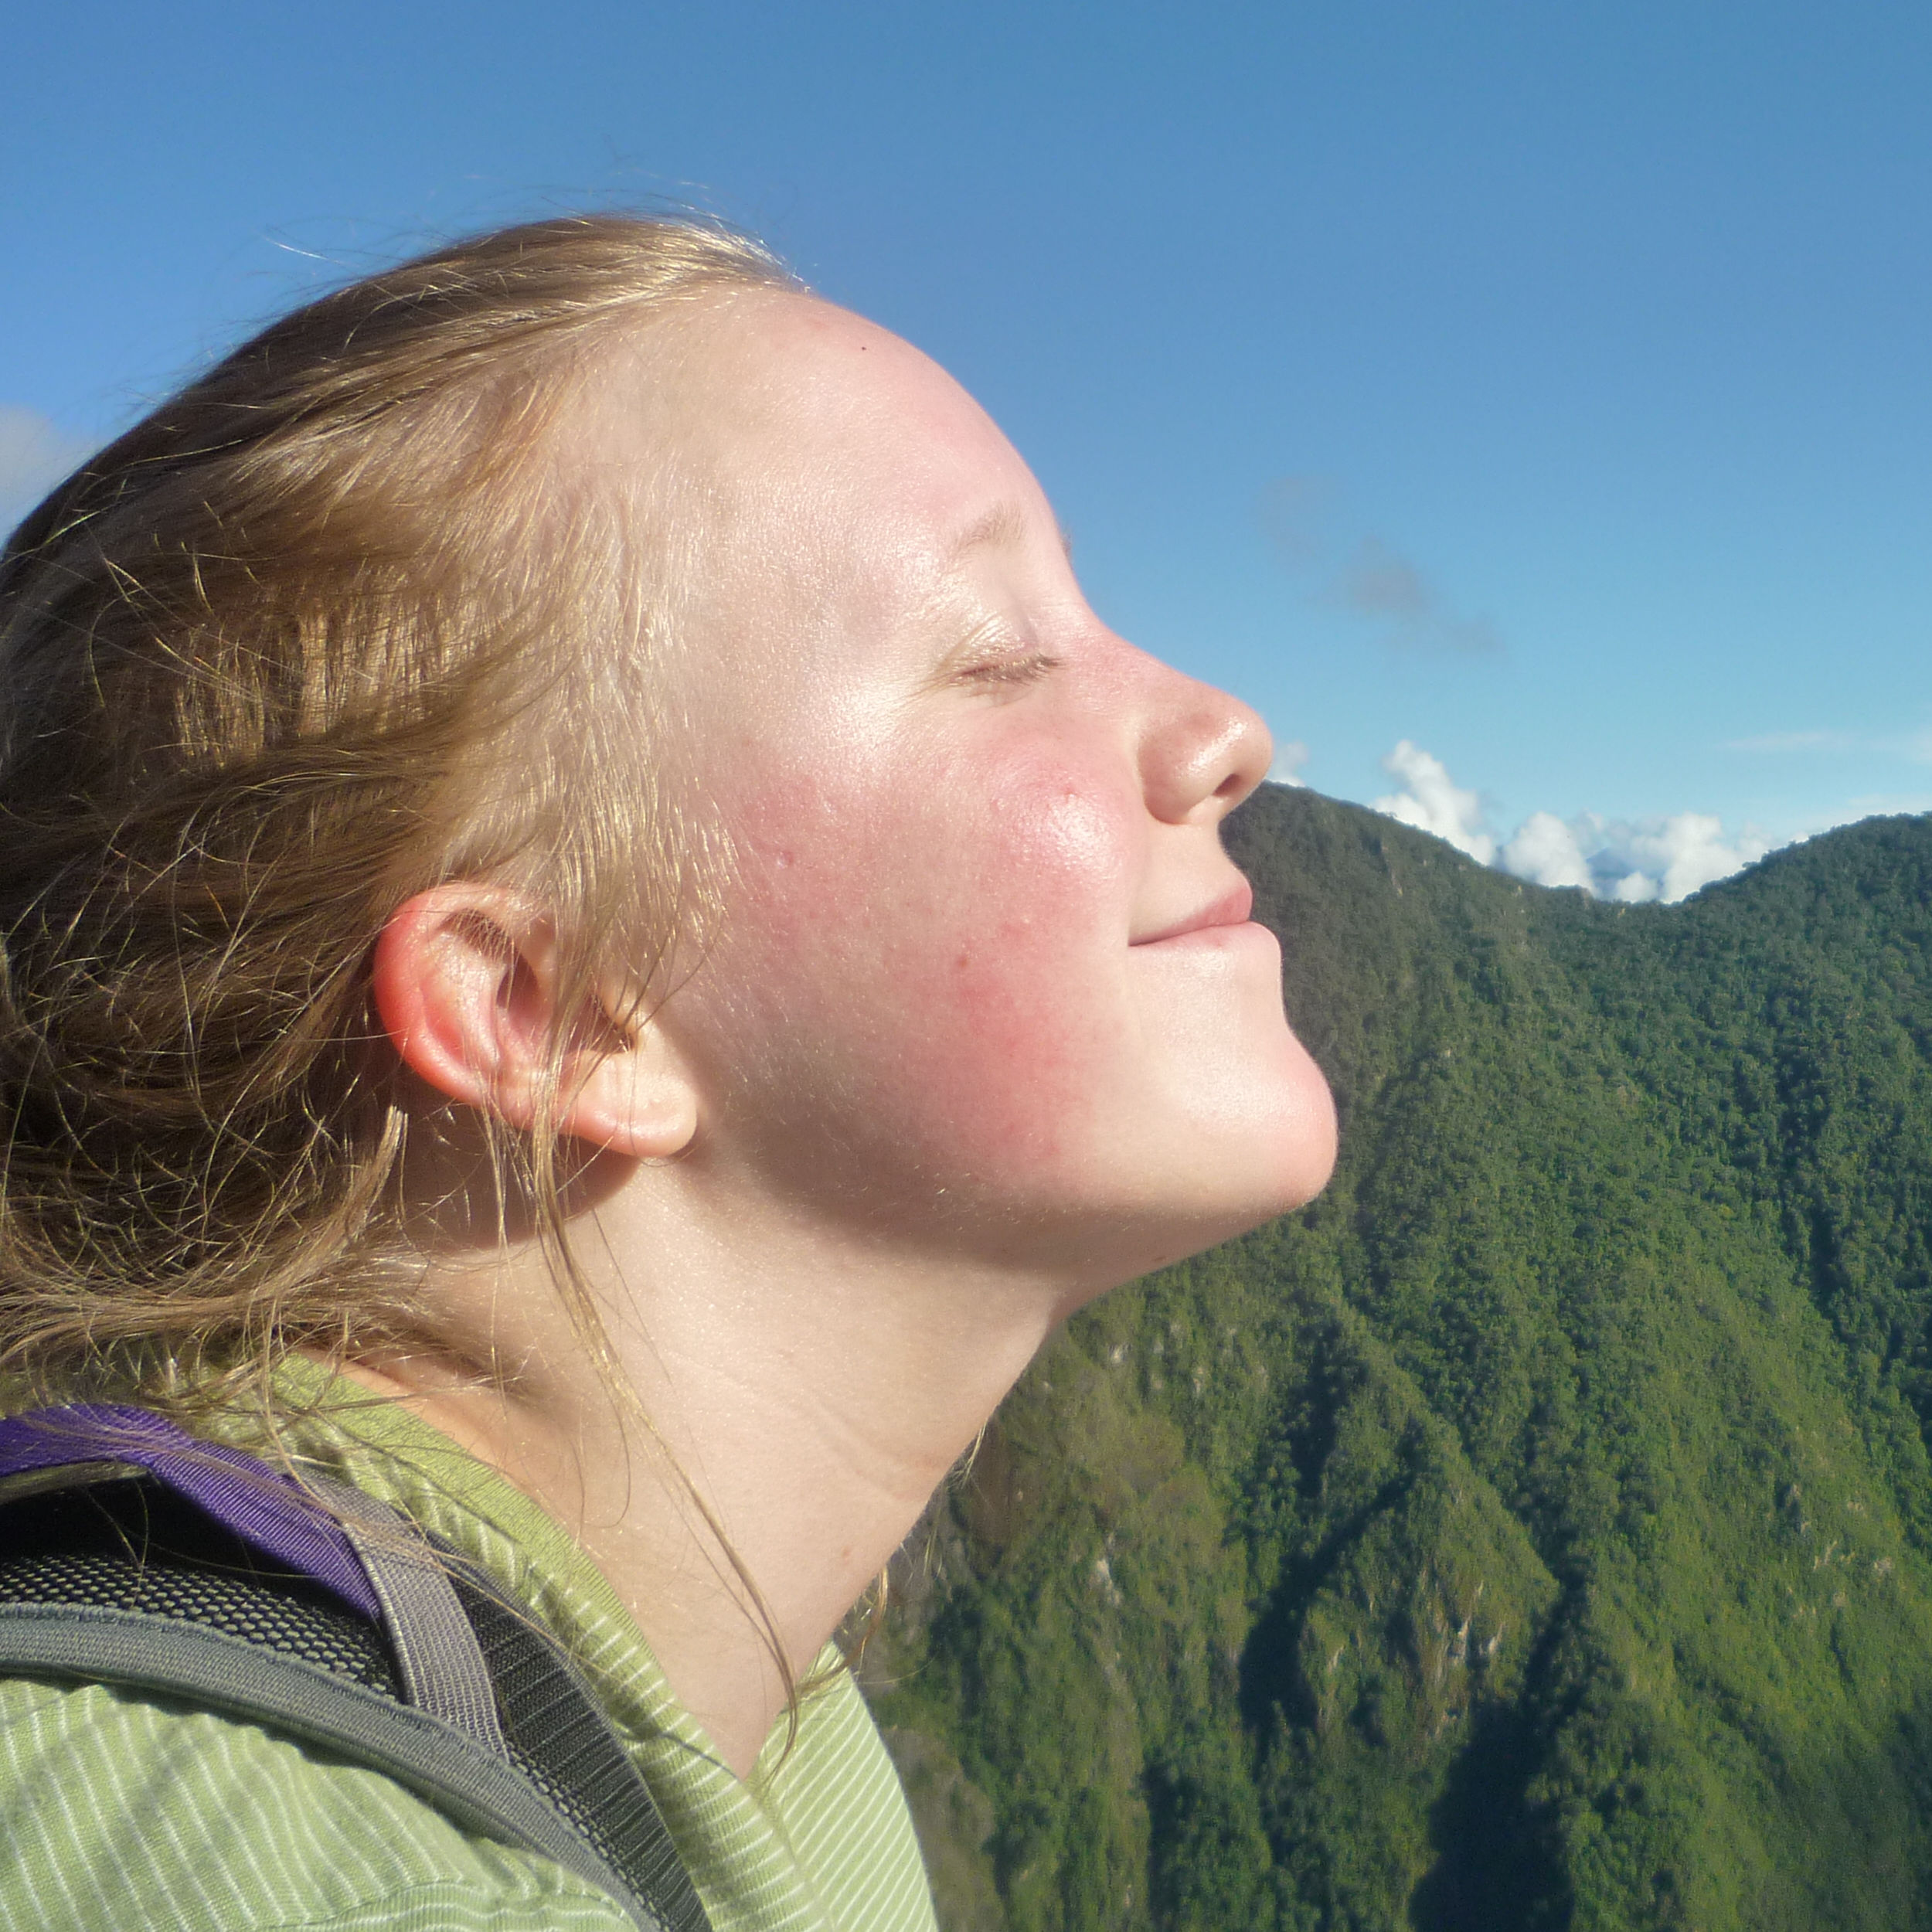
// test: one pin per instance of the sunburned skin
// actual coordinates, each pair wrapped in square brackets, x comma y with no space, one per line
[987,950]
[985,1028]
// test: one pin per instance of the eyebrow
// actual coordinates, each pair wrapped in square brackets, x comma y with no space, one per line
[1004,524]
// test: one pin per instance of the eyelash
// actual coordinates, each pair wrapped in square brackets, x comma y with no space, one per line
[1020,668]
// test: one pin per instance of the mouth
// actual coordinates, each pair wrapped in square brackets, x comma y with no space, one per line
[1231,908]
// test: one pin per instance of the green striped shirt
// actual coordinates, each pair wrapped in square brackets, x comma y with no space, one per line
[120,1811]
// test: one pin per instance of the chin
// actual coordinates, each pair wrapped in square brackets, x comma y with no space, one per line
[1309,1147]
[1270,1148]
[1275,1171]
[1257,1190]
[1224,1184]
[1251,1111]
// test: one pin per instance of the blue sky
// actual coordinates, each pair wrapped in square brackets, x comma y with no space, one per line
[1546,389]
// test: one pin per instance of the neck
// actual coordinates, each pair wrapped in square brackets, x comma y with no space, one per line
[804,1396]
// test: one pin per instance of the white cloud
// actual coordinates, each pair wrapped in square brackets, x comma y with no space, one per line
[1288,761]
[1431,802]
[1873,805]
[1630,860]
[1670,859]
[1848,811]
[1779,741]
[1915,746]
[1546,852]
[34,456]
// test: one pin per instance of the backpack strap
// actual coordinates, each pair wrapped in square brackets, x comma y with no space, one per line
[111,1572]
[441,1663]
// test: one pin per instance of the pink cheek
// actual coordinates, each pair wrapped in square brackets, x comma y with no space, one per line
[964,953]
[1018,1018]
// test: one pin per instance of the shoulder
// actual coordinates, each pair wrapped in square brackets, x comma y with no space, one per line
[121,1812]
[837,1799]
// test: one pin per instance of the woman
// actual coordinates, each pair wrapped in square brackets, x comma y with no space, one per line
[598,940]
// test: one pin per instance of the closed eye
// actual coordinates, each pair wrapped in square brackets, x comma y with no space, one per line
[1017,668]
[993,657]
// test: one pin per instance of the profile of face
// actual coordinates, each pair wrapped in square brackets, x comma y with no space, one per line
[985,978]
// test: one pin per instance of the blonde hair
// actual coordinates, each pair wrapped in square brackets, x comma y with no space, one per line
[252,656]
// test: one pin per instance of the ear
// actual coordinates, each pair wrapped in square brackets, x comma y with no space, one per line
[464,981]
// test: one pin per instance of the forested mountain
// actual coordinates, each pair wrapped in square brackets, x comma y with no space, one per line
[1535,1531]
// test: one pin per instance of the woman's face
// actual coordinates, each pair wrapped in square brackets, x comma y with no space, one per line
[986,979]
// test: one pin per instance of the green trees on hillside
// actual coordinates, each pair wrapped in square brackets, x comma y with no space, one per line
[1536,1531]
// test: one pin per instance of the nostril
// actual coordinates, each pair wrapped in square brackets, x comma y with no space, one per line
[1203,751]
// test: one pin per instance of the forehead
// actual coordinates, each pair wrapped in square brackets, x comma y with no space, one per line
[789,418]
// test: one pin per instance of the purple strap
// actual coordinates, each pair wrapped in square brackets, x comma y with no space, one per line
[259,1504]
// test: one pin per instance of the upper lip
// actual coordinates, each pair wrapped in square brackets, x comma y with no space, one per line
[1231,908]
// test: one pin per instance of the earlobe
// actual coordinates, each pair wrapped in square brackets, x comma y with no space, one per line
[636,1100]
[464,985]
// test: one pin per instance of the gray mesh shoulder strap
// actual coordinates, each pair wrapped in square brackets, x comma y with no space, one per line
[106,1576]
[462,1779]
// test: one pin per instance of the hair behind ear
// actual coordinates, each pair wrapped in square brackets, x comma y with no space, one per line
[266,663]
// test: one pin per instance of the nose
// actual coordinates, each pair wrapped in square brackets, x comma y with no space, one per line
[1202,751]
